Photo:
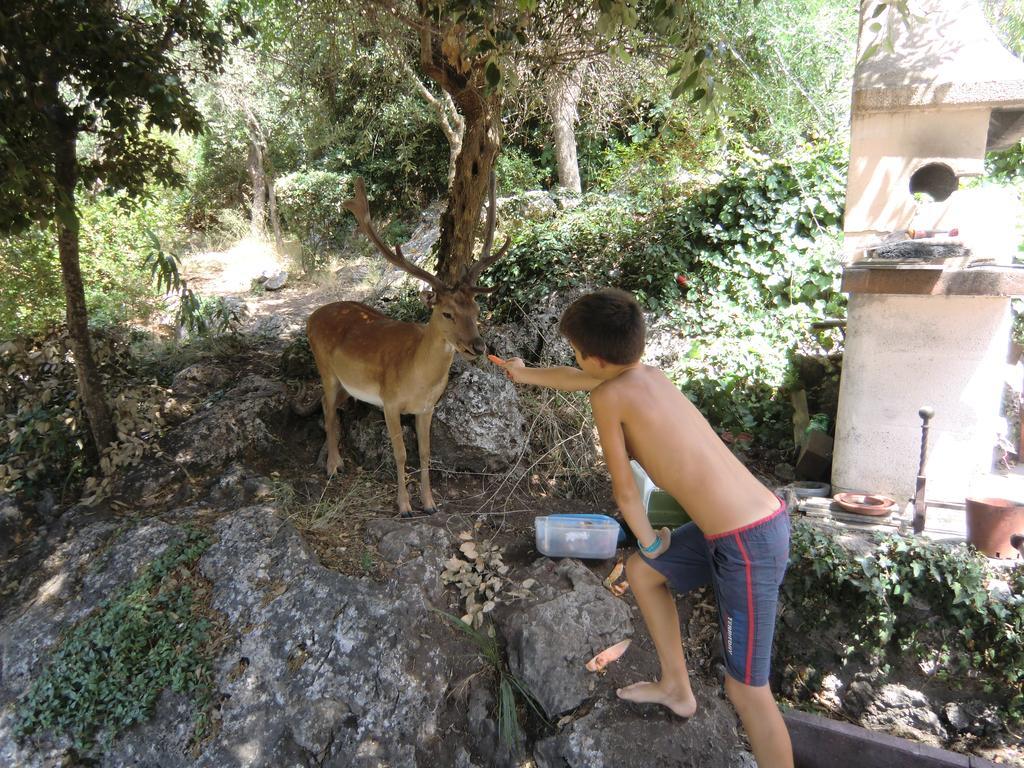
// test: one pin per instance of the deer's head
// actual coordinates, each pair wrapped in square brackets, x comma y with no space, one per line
[454,309]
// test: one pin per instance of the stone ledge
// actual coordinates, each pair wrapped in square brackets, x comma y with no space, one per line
[935,281]
[822,743]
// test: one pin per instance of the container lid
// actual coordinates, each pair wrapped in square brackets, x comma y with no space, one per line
[596,521]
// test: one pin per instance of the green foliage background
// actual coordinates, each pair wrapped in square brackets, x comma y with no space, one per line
[113,247]
[758,244]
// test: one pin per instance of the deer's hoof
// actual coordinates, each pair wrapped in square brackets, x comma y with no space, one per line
[406,515]
[430,510]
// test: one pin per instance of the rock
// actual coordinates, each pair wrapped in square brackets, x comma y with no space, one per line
[337,667]
[534,205]
[617,735]
[973,717]
[297,359]
[11,517]
[477,422]
[831,692]
[151,484]
[904,712]
[858,697]
[535,338]
[549,640]
[276,281]
[232,426]
[79,575]
[365,433]
[484,731]
[198,380]
[238,486]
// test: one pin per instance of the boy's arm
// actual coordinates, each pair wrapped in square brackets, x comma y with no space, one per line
[608,420]
[563,377]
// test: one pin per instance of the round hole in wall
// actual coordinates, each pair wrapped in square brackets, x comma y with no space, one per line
[934,179]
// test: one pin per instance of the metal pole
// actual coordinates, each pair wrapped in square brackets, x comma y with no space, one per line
[920,505]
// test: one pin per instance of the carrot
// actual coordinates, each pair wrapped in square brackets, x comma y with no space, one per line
[495,359]
[607,656]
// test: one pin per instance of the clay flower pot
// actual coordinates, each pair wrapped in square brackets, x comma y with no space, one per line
[990,524]
[870,504]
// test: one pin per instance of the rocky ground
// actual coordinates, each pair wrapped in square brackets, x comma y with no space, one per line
[331,645]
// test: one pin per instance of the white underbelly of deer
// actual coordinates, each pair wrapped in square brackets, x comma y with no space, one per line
[366,395]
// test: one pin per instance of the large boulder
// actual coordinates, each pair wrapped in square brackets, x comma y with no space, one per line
[549,639]
[477,422]
[79,574]
[239,422]
[604,738]
[317,668]
[900,711]
[477,425]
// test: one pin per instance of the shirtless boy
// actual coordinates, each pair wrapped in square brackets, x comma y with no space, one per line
[738,539]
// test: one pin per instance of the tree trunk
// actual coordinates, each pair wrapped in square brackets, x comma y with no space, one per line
[463,79]
[563,97]
[468,191]
[275,220]
[258,221]
[90,387]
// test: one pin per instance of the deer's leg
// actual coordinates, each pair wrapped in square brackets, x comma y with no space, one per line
[423,441]
[334,396]
[393,418]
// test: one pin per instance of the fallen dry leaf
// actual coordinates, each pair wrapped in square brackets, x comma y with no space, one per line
[607,656]
[619,589]
[614,575]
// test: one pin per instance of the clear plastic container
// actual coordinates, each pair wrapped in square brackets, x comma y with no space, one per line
[662,508]
[586,536]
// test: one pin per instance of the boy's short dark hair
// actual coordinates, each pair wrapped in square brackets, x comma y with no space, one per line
[607,323]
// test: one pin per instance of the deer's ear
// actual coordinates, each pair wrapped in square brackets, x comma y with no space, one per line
[428,297]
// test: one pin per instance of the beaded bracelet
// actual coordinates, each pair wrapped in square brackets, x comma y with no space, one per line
[654,545]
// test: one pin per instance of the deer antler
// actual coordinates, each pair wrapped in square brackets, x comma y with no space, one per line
[360,208]
[485,260]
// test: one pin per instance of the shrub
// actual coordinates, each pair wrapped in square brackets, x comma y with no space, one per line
[109,670]
[874,605]
[114,240]
[43,430]
[516,172]
[311,204]
[757,247]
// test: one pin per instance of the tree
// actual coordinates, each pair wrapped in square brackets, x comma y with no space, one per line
[86,87]
[467,48]
[241,89]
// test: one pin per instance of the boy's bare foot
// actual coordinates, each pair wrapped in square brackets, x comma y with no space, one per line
[659,693]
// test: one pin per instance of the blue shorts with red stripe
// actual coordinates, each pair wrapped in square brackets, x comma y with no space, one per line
[746,567]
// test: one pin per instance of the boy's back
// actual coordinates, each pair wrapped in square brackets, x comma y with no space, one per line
[681,452]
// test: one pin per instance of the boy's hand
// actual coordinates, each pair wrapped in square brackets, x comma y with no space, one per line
[666,538]
[513,367]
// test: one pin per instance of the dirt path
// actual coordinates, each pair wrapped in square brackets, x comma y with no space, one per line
[233,274]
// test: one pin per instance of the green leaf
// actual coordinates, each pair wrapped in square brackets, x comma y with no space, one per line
[493,74]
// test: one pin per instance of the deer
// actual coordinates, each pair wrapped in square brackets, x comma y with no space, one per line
[399,366]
